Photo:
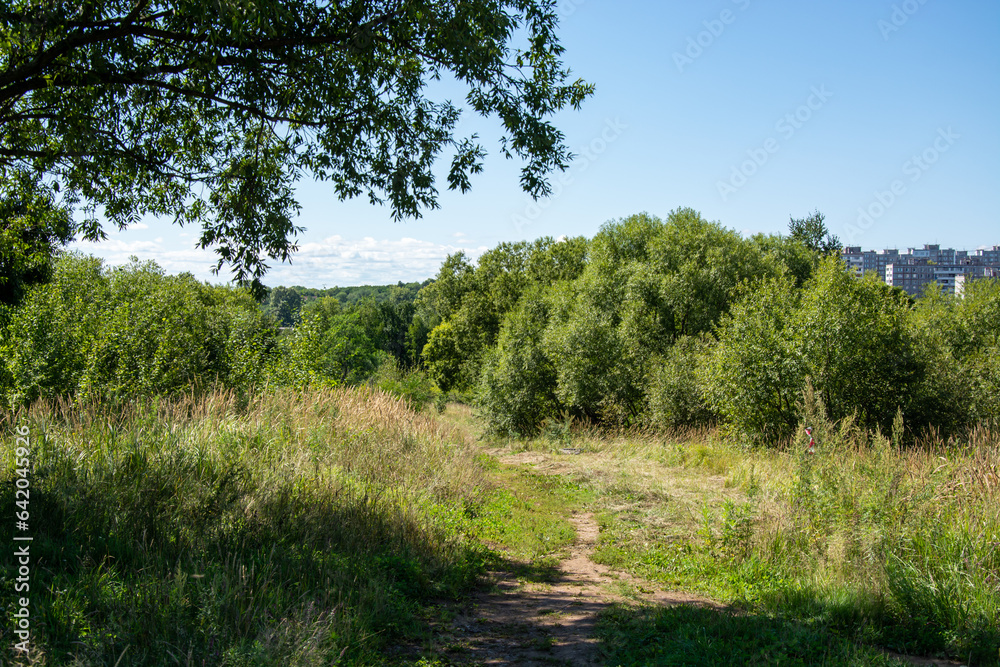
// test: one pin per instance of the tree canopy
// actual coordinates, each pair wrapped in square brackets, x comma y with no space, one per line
[211,112]
[813,233]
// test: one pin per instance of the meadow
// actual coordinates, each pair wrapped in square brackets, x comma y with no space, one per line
[341,526]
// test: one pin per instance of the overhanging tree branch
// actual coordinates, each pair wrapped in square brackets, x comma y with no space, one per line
[131,107]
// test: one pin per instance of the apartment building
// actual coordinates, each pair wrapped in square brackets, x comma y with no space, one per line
[915,268]
[963,280]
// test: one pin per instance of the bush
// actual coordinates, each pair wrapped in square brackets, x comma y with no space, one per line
[414,386]
[754,375]
[131,331]
[596,374]
[517,388]
[857,346]
[674,398]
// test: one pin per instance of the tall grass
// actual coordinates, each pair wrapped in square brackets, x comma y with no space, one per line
[295,528]
[893,545]
[898,544]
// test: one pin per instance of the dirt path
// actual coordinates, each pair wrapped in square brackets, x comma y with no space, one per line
[547,623]
[548,616]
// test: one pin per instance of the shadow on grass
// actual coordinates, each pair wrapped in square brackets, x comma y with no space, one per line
[543,570]
[154,560]
[684,635]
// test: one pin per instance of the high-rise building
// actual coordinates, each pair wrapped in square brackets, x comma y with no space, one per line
[915,268]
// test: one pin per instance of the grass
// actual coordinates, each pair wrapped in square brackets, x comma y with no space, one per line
[324,527]
[525,517]
[688,635]
[296,528]
[886,546]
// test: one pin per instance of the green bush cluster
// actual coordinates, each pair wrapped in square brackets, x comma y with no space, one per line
[683,323]
[94,332]
[619,342]
[865,348]
[115,333]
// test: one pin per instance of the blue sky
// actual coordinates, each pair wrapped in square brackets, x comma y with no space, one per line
[883,115]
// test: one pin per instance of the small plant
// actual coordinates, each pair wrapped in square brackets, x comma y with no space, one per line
[558,431]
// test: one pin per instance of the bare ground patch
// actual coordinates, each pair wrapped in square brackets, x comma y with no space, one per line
[547,620]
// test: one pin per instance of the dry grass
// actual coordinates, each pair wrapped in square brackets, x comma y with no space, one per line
[898,545]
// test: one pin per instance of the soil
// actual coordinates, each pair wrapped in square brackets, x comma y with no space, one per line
[552,622]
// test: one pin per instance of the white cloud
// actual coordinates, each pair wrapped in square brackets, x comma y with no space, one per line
[173,260]
[340,261]
[332,261]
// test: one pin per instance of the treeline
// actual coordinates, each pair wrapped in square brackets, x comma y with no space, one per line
[659,324]
[286,303]
[91,332]
[682,322]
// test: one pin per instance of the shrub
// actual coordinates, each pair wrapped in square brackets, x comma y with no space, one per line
[131,331]
[414,385]
[674,398]
[597,374]
[517,388]
[857,347]
[754,374]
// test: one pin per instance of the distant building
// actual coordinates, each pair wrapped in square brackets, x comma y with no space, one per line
[914,269]
[868,261]
[909,277]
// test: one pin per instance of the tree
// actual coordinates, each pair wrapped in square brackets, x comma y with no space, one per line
[754,375]
[800,261]
[517,388]
[597,373]
[858,349]
[812,232]
[284,304]
[131,331]
[32,229]
[674,398]
[210,112]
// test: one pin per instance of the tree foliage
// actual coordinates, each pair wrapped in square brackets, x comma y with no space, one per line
[610,329]
[284,304]
[812,232]
[210,112]
[850,337]
[675,397]
[754,375]
[95,332]
[473,301]
[519,379]
[857,346]
[32,230]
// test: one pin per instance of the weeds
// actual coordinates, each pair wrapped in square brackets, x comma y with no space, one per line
[892,546]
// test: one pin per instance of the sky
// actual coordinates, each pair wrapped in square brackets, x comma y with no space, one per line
[883,115]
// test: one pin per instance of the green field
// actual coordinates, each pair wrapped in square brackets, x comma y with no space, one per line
[332,527]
